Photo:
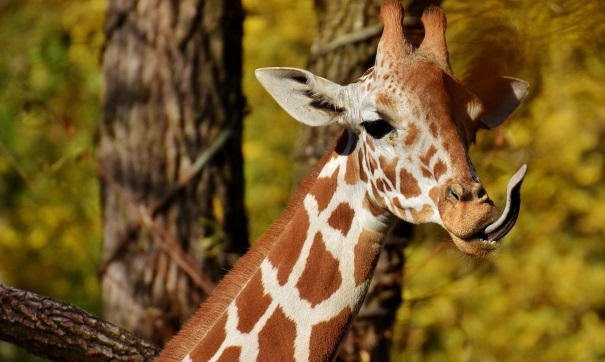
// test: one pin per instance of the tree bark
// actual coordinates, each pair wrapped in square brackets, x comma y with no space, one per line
[62,332]
[170,159]
[344,48]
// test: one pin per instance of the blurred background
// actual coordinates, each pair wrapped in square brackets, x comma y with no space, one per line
[542,297]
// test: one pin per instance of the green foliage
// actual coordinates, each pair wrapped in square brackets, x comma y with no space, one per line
[49,85]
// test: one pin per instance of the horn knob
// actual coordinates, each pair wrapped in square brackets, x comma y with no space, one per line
[434,22]
[393,41]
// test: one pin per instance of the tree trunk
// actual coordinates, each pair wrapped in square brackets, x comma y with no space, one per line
[344,48]
[170,159]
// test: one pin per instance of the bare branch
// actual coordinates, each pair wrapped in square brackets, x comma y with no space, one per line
[62,332]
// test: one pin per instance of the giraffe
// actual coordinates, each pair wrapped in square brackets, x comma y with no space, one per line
[408,124]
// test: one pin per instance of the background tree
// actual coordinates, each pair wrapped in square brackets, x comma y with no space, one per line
[170,160]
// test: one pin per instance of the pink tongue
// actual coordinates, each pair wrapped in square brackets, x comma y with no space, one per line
[505,223]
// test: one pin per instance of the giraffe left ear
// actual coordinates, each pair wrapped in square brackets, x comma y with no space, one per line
[500,98]
[310,99]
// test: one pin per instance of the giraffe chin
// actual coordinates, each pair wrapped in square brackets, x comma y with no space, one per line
[476,246]
[487,240]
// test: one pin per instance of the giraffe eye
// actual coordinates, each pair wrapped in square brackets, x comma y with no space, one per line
[378,128]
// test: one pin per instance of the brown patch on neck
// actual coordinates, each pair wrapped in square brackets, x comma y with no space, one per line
[321,277]
[352,173]
[230,354]
[285,253]
[251,304]
[326,336]
[324,188]
[276,339]
[341,218]
[211,342]
[366,254]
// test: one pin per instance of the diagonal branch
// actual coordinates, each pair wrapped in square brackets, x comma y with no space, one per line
[62,332]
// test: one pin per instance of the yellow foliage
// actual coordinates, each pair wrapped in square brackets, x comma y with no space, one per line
[276,33]
[541,297]
[50,213]
[84,19]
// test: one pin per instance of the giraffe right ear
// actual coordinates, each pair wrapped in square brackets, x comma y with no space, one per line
[500,97]
[310,99]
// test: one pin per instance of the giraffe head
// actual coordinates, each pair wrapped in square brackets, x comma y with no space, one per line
[411,123]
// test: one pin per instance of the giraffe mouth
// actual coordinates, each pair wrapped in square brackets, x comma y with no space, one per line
[486,241]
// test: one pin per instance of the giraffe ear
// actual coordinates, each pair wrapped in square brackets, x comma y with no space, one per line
[500,97]
[310,99]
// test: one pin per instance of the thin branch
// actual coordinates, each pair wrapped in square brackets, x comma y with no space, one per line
[348,38]
[174,250]
[196,167]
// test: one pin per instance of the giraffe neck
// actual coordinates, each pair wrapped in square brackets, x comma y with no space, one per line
[294,294]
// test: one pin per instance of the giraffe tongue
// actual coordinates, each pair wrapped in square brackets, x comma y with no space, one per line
[505,223]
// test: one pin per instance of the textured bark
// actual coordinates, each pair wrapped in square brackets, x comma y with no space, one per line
[62,332]
[345,46]
[170,159]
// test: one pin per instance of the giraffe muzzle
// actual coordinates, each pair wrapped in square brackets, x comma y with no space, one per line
[498,229]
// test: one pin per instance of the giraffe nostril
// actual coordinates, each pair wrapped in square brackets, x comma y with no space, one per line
[481,193]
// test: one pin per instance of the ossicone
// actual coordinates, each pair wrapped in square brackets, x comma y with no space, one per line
[434,43]
[393,42]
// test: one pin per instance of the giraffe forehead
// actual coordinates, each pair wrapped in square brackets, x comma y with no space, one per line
[408,87]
